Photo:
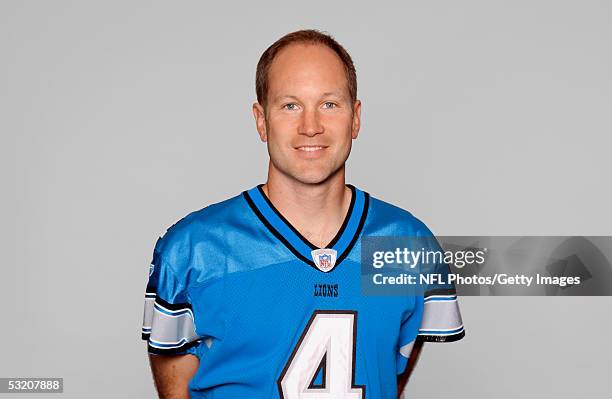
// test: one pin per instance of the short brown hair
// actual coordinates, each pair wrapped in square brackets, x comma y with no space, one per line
[310,36]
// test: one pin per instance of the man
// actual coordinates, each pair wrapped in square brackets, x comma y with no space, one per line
[259,296]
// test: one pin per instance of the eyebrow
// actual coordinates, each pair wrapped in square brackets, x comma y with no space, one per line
[326,94]
[282,96]
[333,93]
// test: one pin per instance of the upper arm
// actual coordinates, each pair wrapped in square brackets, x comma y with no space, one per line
[169,327]
[172,374]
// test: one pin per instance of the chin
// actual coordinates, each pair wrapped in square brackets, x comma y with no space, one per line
[313,176]
[311,179]
[308,173]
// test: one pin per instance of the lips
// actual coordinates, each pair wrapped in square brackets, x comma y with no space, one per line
[310,148]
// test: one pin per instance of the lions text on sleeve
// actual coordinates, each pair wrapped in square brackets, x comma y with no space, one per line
[270,315]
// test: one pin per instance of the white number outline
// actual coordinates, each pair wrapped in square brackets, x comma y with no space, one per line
[301,339]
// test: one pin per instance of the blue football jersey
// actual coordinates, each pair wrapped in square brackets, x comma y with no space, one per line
[270,315]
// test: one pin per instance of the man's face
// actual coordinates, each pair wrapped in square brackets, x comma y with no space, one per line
[310,120]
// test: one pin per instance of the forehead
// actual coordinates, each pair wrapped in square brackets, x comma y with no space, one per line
[304,67]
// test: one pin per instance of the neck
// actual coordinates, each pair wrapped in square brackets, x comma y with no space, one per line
[315,210]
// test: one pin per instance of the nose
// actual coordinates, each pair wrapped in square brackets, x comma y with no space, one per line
[310,124]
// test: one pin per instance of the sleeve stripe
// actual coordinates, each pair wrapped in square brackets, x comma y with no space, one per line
[167,345]
[168,328]
[441,319]
[172,306]
[441,291]
[440,298]
[173,313]
[443,338]
[441,332]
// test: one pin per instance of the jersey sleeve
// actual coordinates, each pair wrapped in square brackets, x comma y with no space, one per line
[168,322]
[435,316]
[441,321]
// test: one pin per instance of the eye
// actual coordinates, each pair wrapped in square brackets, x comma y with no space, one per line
[290,106]
[329,105]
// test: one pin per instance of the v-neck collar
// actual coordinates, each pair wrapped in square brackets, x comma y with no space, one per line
[280,227]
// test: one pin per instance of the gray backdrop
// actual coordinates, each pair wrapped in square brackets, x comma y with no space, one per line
[118,118]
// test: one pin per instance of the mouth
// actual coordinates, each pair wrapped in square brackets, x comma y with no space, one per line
[311,148]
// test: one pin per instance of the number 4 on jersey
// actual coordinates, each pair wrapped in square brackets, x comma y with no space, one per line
[327,345]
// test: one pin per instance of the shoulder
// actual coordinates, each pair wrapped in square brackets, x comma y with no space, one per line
[388,219]
[202,221]
[183,243]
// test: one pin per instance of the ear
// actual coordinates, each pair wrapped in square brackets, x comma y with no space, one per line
[356,119]
[260,121]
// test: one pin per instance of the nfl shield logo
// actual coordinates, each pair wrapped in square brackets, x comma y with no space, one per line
[324,259]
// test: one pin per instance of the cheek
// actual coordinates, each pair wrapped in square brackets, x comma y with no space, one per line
[282,129]
[341,128]
[283,121]
[279,141]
